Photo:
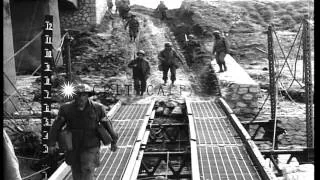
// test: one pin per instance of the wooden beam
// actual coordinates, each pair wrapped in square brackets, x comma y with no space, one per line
[189,110]
[61,172]
[194,161]
[113,110]
[264,170]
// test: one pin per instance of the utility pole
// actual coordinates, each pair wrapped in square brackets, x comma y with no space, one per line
[308,82]
[68,40]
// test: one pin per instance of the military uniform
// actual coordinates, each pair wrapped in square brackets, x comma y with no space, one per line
[141,72]
[109,4]
[84,157]
[220,48]
[133,28]
[168,60]
[162,10]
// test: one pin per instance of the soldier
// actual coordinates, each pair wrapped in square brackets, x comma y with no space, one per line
[118,4]
[124,9]
[110,5]
[81,118]
[162,8]
[191,46]
[133,27]
[141,72]
[220,48]
[168,60]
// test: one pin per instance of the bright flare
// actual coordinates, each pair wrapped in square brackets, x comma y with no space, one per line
[68,90]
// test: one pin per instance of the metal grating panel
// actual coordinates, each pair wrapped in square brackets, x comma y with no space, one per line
[113,164]
[128,131]
[225,163]
[215,131]
[132,111]
[207,109]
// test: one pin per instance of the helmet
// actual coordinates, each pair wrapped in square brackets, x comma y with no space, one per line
[84,88]
[141,52]
[132,15]
[216,33]
[168,44]
[191,36]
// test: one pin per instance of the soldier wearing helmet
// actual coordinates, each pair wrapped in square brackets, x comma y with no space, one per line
[191,47]
[162,8]
[81,117]
[110,5]
[220,49]
[133,24]
[168,60]
[124,8]
[141,72]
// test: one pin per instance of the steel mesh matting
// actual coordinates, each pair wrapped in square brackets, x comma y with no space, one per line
[127,131]
[228,162]
[220,149]
[206,109]
[132,111]
[215,131]
[127,122]
[112,164]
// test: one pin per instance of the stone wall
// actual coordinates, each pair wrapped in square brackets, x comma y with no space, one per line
[242,99]
[238,89]
[83,17]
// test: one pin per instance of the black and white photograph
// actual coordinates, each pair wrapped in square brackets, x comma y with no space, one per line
[158,90]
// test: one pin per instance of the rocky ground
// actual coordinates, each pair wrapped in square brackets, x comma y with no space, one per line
[101,55]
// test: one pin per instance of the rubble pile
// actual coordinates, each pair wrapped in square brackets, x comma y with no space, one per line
[98,54]
[170,108]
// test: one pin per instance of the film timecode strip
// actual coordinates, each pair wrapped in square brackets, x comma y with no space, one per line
[46,84]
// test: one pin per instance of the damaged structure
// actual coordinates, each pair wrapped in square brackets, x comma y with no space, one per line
[23,21]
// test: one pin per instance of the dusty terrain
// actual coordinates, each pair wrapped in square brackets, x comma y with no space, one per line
[101,56]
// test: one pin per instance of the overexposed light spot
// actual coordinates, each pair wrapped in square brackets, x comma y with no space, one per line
[68,90]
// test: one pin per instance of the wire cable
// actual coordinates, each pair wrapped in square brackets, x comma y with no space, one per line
[15,88]
[26,45]
[36,173]
[286,57]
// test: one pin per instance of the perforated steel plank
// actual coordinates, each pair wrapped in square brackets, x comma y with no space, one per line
[127,121]
[132,111]
[215,131]
[128,131]
[112,164]
[220,149]
[207,109]
[225,163]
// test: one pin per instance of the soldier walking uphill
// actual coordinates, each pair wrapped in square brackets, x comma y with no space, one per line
[168,60]
[220,48]
[124,9]
[110,5]
[133,27]
[118,4]
[141,72]
[81,117]
[191,47]
[162,8]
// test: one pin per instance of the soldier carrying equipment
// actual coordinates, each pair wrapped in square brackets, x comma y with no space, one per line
[133,24]
[162,8]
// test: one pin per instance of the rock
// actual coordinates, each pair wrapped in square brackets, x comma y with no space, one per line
[159,110]
[177,111]
[166,112]
[171,104]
